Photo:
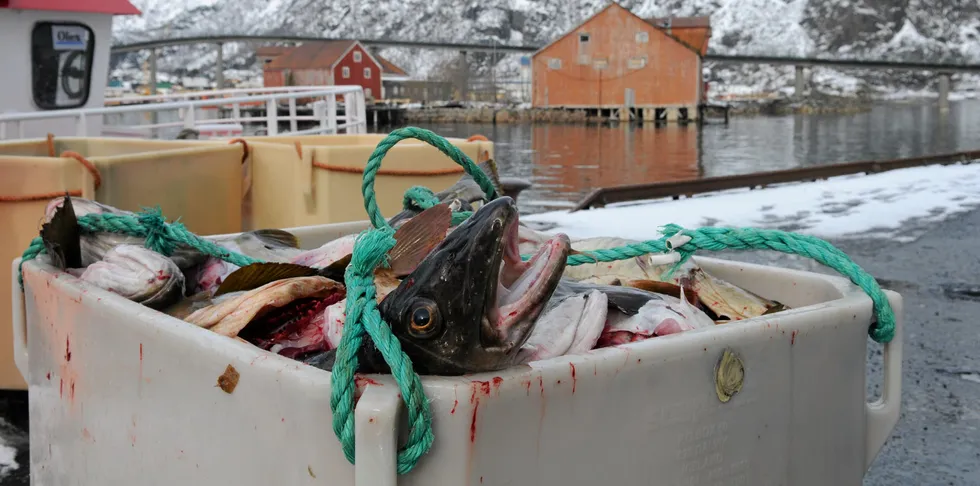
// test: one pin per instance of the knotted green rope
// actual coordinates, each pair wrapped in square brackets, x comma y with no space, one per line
[720,238]
[419,198]
[362,313]
[150,224]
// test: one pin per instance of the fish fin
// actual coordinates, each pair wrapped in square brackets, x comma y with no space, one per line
[417,238]
[258,274]
[276,238]
[335,271]
[62,237]
[489,167]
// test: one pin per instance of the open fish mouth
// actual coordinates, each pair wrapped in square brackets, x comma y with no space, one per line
[523,287]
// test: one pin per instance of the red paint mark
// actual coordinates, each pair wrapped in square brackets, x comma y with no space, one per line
[541,384]
[361,381]
[558,382]
[792,339]
[574,380]
[527,384]
[473,423]
[141,351]
[638,360]
[61,390]
[371,420]
[68,348]
[496,383]
[453,411]
[71,394]
[49,376]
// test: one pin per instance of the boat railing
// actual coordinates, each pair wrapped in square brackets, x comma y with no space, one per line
[140,115]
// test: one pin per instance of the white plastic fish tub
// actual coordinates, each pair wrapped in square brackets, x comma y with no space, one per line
[121,394]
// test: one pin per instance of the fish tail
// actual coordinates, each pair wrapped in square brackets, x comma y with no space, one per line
[62,237]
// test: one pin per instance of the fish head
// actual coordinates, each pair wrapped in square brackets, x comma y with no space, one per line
[471,304]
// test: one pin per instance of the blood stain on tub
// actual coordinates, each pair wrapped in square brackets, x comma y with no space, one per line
[792,339]
[361,381]
[496,384]
[574,380]
[527,385]
[87,436]
[479,389]
[49,376]
[67,348]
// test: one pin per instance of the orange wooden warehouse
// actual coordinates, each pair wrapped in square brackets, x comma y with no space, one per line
[633,67]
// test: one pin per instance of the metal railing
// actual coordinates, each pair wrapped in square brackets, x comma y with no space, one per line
[191,109]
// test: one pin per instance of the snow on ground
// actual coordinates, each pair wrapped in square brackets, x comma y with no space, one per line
[8,462]
[881,205]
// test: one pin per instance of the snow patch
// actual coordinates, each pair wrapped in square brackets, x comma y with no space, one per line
[841,207]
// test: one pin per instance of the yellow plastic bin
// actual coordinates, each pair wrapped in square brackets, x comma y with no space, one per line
[199,183]
[310,180]
[137,401]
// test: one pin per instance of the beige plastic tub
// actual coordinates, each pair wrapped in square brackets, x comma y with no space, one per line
[199,183]
[124,395]
[310,180]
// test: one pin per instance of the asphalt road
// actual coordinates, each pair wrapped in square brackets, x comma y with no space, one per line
[937,441]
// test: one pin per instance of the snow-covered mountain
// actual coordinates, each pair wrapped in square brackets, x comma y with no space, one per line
[933,30]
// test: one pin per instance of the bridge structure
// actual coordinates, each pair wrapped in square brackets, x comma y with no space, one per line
[943,71]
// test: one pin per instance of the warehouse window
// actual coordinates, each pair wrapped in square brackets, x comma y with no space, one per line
[345,72]
[583,38]
[357,56]
[554,63]
[642,37]
[638,62]
[367,73]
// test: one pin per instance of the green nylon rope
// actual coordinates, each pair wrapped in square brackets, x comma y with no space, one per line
[372,246]
[150,224]
[362,313]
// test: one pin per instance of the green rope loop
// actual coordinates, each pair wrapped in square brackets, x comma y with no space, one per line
[369,251]
[362,312]
[431,138]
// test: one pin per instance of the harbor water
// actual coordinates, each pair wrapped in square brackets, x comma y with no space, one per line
[566,161]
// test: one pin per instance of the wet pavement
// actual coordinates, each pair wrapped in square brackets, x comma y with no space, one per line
[937,440]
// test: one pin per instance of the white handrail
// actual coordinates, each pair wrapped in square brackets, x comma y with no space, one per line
[324,120]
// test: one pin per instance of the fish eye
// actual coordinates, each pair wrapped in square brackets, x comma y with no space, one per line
[424,320]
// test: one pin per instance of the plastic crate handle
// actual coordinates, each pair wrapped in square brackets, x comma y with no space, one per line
[882,414]
[376,420]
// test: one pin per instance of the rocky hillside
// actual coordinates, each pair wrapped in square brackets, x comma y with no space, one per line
[933,30]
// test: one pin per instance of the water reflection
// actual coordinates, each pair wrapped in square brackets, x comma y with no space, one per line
[565,162]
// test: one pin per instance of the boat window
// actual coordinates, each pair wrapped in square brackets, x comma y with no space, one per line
[61,60]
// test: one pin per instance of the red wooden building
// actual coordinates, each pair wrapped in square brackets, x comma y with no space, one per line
[331,63]
[618,62]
